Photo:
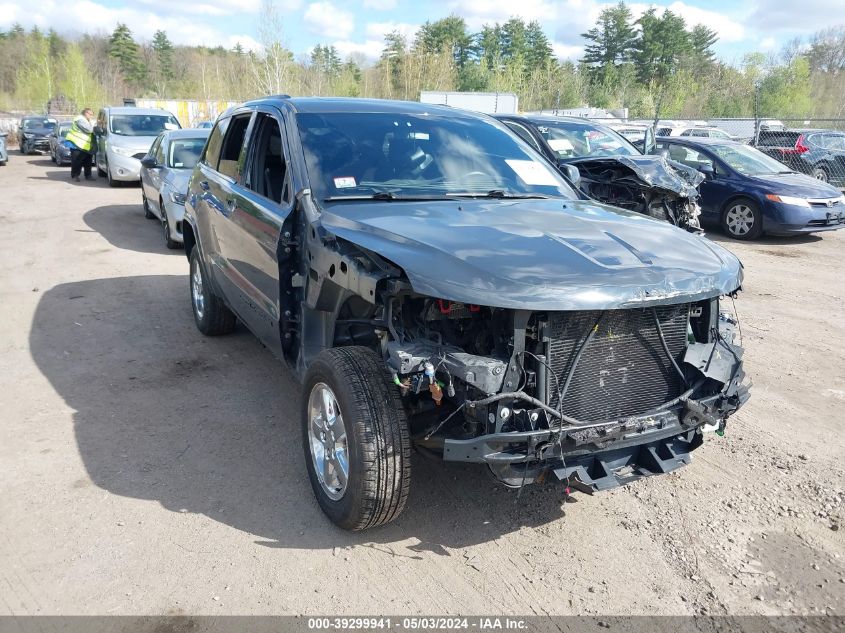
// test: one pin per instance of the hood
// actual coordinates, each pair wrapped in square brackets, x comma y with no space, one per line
[654,171]
[538,254]
[133,143]
[38,131]
[178,179]
[798,185]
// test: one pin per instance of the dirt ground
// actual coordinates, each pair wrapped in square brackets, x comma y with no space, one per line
[149,470]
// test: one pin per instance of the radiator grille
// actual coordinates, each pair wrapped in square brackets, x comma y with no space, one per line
[624,370]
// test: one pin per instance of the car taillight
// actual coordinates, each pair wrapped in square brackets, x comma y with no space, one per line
[799,148]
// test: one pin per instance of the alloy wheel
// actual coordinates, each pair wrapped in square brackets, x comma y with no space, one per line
[739,219]
[197,296]
[328,441]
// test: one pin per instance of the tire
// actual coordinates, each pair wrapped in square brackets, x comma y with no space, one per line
[101,173]
[168,241]
[820,173]
[742,220]
[211,315]
[353,382]
[112,181]
[53,158]
[147,213]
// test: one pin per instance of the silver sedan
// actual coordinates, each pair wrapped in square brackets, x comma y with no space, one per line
[165,172]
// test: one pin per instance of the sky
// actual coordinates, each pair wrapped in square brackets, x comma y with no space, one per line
[358,26]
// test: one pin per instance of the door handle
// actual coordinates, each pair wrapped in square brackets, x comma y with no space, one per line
[204,185]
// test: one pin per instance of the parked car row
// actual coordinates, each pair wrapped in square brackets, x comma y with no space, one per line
[818,153]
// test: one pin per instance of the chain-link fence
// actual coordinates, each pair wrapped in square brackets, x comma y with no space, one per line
[815,147]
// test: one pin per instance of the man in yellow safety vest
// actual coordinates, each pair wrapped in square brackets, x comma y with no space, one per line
[81,137]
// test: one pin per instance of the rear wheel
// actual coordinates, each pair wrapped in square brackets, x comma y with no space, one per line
[211,315]
[742,219]
[820,173]
[356,438]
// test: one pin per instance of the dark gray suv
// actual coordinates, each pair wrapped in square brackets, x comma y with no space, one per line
[436,284]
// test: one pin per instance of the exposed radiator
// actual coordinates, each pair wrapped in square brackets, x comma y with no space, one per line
[624,369]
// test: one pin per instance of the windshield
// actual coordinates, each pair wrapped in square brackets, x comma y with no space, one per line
[29,124]
[747,160]
[573,139]
[362,154]
[185,152]
[142,124]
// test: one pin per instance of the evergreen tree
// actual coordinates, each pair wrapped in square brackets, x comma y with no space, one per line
[450,33]
[164,54]
[124,50]
[701,41]
[538,47]
[663,43]
[326,60]
[611,41]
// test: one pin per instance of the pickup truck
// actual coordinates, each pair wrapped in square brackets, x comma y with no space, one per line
[436,285]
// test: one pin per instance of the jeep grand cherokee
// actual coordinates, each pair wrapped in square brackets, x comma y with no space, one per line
[435,283]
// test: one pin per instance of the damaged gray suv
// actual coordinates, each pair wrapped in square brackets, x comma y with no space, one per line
[436,284]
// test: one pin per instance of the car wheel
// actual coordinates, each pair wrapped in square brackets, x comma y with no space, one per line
[100,172]
[168,241]
[211,315]
[53,157]
[742,220]
[356,438]
[820,173]
[112,181]
[147,213]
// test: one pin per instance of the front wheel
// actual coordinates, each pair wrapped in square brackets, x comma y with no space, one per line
[820,173]
[112,181]
[147,213]
[169,242]
[211,315]
[356,438]
[742,220]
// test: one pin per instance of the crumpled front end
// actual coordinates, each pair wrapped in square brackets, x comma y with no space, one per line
[597,398]
[653,185]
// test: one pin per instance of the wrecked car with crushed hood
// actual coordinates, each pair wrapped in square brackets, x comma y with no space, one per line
[436,285]
[609,168]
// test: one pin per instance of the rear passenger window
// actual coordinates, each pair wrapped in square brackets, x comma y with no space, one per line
[215,141]
[266,174]
[233,142]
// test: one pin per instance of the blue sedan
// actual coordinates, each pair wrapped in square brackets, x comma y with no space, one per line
[749,193]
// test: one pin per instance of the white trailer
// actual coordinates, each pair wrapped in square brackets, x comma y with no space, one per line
[487,102]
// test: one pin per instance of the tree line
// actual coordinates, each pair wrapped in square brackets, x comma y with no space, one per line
[654,65]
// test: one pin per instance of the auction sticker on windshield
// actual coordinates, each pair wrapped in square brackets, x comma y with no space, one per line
[344,182]
[533,173]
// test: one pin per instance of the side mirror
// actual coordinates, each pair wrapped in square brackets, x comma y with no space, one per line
[707,170]
[571,172]
[149,162]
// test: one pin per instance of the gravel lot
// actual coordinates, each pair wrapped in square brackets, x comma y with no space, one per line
[149,470]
